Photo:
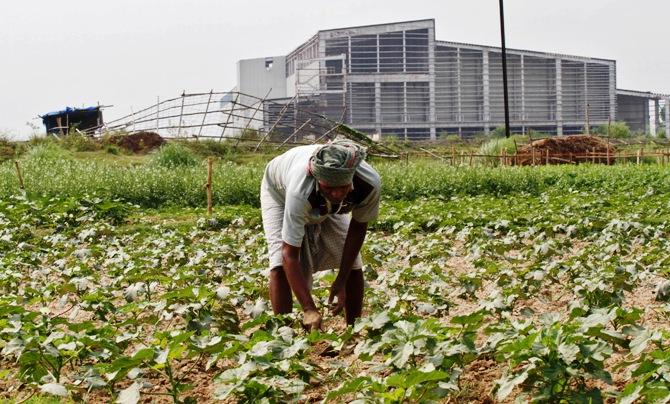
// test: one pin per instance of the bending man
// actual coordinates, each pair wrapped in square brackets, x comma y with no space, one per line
[316,202]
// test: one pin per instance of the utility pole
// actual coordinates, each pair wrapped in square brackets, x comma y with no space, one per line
[504,68]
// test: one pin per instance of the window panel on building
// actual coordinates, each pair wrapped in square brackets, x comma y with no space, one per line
[391,58]
[471,85]
[362,102]
[416,51]
[392,102]
[446,84]
[597,76]
[418,101]
[539,89]
[364,54]
[573,92]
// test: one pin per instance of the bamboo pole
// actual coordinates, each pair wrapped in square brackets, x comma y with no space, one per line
[206,111]
[269,132]
[246,127]
[18,172]
[430,153]
[295,132]
[232,109]
[532,156]
[181,112]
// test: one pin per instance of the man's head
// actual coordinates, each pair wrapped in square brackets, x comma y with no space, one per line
[334,165]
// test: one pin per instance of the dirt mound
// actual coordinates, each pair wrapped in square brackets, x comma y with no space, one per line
[566,150]
[140,142]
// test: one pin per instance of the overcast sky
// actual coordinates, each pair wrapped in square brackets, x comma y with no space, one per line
[127,52]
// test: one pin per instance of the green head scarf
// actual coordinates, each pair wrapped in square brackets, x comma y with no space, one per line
[335,163]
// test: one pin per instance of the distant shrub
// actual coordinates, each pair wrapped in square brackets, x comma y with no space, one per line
[7,147]
[112,149]
[450,138]
[47,151]
[174,155]
[250,134]
[495,147]
[77,142]
[617,130]
[210,147]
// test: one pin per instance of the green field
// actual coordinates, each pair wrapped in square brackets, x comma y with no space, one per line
[537,284]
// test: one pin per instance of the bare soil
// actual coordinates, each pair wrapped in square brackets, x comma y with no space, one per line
[139,142]
[566,150]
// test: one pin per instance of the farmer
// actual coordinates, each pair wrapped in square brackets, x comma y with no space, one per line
[307,196]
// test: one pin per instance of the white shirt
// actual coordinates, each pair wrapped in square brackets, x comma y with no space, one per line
[288,180]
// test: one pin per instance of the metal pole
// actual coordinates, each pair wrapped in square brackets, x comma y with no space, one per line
[504,68]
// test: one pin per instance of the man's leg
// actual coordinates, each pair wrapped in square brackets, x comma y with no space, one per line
[353,305]
[280,292]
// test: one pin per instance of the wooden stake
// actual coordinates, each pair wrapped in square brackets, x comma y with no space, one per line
[639,155]
[471,153]
[532,154]
[546,162]
[18,172]
[593,155]
[210,162]
[453,155]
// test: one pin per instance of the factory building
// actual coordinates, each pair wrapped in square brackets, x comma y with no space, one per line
[398,80]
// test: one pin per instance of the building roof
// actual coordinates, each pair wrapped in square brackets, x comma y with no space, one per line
[642,94]
[524,51]
[432,20]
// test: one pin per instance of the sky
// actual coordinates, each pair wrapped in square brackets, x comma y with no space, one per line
[126,53]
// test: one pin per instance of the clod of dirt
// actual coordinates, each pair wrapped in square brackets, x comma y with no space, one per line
[139,142]
[566,150]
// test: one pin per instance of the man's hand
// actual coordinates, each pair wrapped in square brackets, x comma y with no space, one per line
[311,320]
[338,291]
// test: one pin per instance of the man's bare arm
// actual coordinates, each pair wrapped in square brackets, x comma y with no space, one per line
[295,277]
[352,246]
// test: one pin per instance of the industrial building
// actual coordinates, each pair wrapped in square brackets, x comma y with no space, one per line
[397,79]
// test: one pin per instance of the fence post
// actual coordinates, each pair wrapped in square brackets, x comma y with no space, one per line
[532,156]
[471,153]
[639,155]
[547,159]
[593,155]
[18,172]
[181,112]
[453,155]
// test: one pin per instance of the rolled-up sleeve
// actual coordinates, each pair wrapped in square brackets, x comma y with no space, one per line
[368,210]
